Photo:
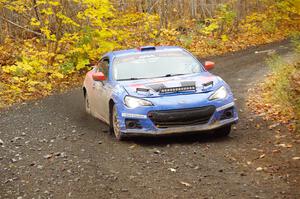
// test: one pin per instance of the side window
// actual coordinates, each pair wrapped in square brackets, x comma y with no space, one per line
[103,66]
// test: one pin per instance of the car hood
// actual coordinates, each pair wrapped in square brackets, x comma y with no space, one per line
[178,85]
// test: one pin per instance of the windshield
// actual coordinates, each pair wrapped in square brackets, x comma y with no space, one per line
[155,64]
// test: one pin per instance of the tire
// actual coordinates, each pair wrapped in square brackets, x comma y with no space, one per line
[223,131]
[115,124]
[87,104]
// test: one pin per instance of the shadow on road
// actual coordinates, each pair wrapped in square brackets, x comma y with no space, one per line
[203,137]
[96,125]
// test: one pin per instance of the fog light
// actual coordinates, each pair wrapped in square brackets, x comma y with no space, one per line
[227,114]
[132,124]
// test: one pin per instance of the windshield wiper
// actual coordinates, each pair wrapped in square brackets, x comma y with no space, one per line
[135,78]
[170,75]
[128,79]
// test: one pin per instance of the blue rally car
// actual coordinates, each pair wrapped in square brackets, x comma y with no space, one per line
[158,91]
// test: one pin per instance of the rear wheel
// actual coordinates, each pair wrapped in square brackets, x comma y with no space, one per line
[224,131]
[116,124]
[87,104]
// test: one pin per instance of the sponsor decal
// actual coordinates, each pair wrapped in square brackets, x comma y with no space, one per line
[137,85]
[132,115]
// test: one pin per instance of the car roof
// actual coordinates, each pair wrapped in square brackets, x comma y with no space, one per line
[138,50]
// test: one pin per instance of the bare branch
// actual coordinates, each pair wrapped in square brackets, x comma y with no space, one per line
[19,26]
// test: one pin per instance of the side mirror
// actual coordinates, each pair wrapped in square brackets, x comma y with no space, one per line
[99,76]
[209,65]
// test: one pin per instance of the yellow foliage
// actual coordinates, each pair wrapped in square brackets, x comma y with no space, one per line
[66,20]
[47,11]
[35,22]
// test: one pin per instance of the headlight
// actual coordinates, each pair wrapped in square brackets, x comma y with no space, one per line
[221,93]
[133,102]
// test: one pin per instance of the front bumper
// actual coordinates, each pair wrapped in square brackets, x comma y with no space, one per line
[181,130]
[149,129]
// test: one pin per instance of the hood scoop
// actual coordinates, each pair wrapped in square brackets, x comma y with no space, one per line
[207,86]
[143,91]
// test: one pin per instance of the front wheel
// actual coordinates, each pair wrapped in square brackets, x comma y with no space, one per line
[115,124]
[223,131]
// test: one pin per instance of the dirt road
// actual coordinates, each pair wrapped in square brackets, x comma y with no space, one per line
[52,149]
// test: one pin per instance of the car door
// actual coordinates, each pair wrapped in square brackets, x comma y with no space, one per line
[102,91]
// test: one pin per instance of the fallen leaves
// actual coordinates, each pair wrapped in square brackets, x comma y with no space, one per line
[17,92]
[273,99]
[285,145]
[257,126]
[276,151]
[259,169]
[273,126]
[172,170]
[48,156]
[132,146]
[156,151]
[262,156]
[57,154]
[185,184]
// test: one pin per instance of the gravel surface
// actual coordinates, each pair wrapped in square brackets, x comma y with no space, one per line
[51,149]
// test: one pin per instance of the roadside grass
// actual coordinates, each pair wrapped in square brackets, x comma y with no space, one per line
[277,98]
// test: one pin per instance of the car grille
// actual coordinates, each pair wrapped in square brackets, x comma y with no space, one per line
[181,117]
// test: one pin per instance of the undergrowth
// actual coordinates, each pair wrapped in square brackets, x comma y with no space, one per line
[278,97]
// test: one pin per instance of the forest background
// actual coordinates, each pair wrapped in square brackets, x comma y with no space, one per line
[46,45]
